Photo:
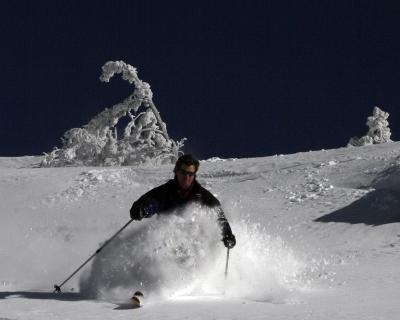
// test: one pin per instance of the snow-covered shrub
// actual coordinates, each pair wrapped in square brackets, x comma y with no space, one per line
[145,138]
[379,131]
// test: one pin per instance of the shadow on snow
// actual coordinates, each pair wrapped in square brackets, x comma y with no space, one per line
[378,207]
[67,296]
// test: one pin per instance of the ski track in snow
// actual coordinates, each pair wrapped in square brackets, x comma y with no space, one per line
[318,238]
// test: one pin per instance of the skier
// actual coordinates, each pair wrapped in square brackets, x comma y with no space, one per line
[177,192]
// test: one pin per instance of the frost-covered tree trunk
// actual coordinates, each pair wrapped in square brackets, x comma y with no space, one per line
[379,131]
[145,138]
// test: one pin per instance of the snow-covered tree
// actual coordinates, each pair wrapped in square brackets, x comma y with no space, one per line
[379,131]
[379,126]
[145,138]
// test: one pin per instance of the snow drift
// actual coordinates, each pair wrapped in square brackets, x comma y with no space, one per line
[180,254]
[317,238]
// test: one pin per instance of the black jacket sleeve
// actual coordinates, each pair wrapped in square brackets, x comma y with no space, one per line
[223,223]
[213,202]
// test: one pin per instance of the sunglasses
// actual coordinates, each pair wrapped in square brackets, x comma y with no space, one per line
[187,173]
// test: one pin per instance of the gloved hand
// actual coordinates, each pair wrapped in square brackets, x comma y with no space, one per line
[136,213]
[229,240]
[150,210]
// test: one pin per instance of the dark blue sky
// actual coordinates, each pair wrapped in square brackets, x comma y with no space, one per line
[237,78]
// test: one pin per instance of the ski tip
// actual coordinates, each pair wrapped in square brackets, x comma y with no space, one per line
[137,299]
[138,294]
[135,302]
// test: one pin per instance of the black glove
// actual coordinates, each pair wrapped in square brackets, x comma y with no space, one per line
[150,210]
[229,240]
[136,213]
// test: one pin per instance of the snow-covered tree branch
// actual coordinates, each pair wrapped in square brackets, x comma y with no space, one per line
[145,137]
[379,131]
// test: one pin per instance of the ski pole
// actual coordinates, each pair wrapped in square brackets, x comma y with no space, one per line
[57,288]
[226,266]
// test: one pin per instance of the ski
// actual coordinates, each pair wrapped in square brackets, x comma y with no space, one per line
[137,299]
[134,303]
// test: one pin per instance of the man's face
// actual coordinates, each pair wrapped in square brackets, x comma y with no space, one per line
[185,176]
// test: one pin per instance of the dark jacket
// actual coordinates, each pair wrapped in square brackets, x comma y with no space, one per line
[170,196]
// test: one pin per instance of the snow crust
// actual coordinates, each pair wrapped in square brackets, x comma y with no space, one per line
[318,238]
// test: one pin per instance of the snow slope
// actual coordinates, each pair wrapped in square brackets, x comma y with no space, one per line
[318,238]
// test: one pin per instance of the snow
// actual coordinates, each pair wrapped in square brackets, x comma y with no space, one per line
[318,237]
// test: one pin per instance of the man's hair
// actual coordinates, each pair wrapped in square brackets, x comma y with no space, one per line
[188,160]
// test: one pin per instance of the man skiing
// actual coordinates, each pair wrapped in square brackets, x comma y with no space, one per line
[177,192]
